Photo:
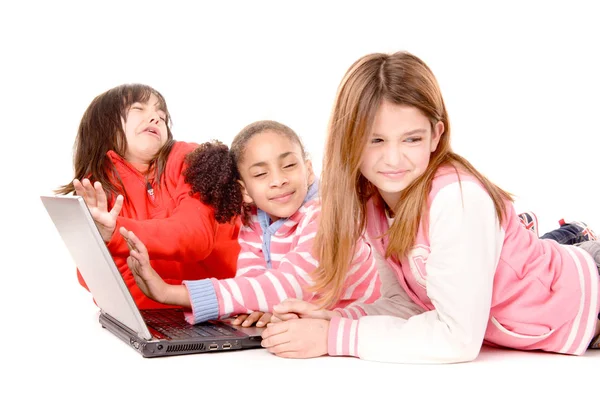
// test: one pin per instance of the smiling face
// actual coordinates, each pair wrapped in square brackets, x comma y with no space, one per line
[275,175]
[398,149]
[146,131]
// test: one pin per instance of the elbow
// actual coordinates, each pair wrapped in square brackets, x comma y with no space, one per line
[464,352]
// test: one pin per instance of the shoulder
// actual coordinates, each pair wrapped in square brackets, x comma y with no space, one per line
[181,149]
[308,211]
[176,159]
[252,231]
[461,205]
[448,175]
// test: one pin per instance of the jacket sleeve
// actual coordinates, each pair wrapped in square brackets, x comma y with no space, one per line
[466,240]
[393,301]
[187,235]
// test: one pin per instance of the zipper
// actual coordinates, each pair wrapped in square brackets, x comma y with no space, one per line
[150,190]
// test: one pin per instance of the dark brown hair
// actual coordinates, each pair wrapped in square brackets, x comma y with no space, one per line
[212,170]
[101,130]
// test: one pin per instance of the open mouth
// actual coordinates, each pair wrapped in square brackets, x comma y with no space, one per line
[152,131]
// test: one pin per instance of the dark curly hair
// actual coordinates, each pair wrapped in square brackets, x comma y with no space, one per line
[212,170]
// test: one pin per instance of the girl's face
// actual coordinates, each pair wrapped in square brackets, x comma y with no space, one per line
[275,175]
[398,149]
[145,130]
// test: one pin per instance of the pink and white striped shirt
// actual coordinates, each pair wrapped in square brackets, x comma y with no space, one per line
[258,288]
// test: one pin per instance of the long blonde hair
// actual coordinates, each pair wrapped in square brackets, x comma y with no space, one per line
[400,78]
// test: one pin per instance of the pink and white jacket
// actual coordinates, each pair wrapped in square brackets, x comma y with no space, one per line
[259,286]
[467,281]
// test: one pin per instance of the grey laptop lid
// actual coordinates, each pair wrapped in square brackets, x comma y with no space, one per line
[91,256]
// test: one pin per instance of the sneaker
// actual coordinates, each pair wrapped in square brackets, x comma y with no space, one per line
[529,221]
[586,231]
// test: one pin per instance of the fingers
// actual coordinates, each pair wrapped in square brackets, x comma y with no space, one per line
[135,243]
[125,233]
[252,318]
[274,330]
[281,349]
[240,318]
[101,202]
[133,265]
[116,210]
[88,193]
[264,320]
[79,191]
[296,306]
[275,335]
[283,317]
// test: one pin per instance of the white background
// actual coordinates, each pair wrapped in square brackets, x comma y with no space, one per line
[520,80]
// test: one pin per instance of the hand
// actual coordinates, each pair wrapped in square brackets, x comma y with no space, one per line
[297,338]
[296,308]
[145,276]
[258,317]
[95,198]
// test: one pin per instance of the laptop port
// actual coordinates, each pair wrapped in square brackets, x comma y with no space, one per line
[213,347]
[226,346]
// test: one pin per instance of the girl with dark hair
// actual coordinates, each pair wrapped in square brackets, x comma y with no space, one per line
[125,146]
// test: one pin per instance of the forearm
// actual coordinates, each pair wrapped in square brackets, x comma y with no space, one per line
[178,295]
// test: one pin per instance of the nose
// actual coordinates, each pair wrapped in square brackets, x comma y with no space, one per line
[154,117]
[278,179]
[393,154]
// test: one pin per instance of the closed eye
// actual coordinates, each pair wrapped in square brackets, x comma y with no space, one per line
[290,165]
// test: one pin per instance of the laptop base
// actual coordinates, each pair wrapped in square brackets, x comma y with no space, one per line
[173,347]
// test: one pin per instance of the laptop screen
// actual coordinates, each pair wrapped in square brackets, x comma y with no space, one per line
[91,256]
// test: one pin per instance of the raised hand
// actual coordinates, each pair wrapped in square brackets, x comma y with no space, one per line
[145,276]
[147,279]
[95,198]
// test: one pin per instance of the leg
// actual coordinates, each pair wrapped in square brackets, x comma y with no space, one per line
[571,233]
[566,234]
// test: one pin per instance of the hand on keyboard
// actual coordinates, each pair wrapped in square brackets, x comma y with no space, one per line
[261,319]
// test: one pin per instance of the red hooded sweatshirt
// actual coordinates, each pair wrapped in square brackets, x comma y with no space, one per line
[182,237]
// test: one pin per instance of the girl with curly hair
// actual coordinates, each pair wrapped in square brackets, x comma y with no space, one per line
[267,179]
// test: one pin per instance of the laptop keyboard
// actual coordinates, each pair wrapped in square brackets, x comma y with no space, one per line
[172,324]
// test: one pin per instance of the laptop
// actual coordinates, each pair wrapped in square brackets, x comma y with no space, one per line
[153,333]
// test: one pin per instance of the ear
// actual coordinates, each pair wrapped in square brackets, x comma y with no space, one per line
[436,135]
[245,196]
[311,172]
